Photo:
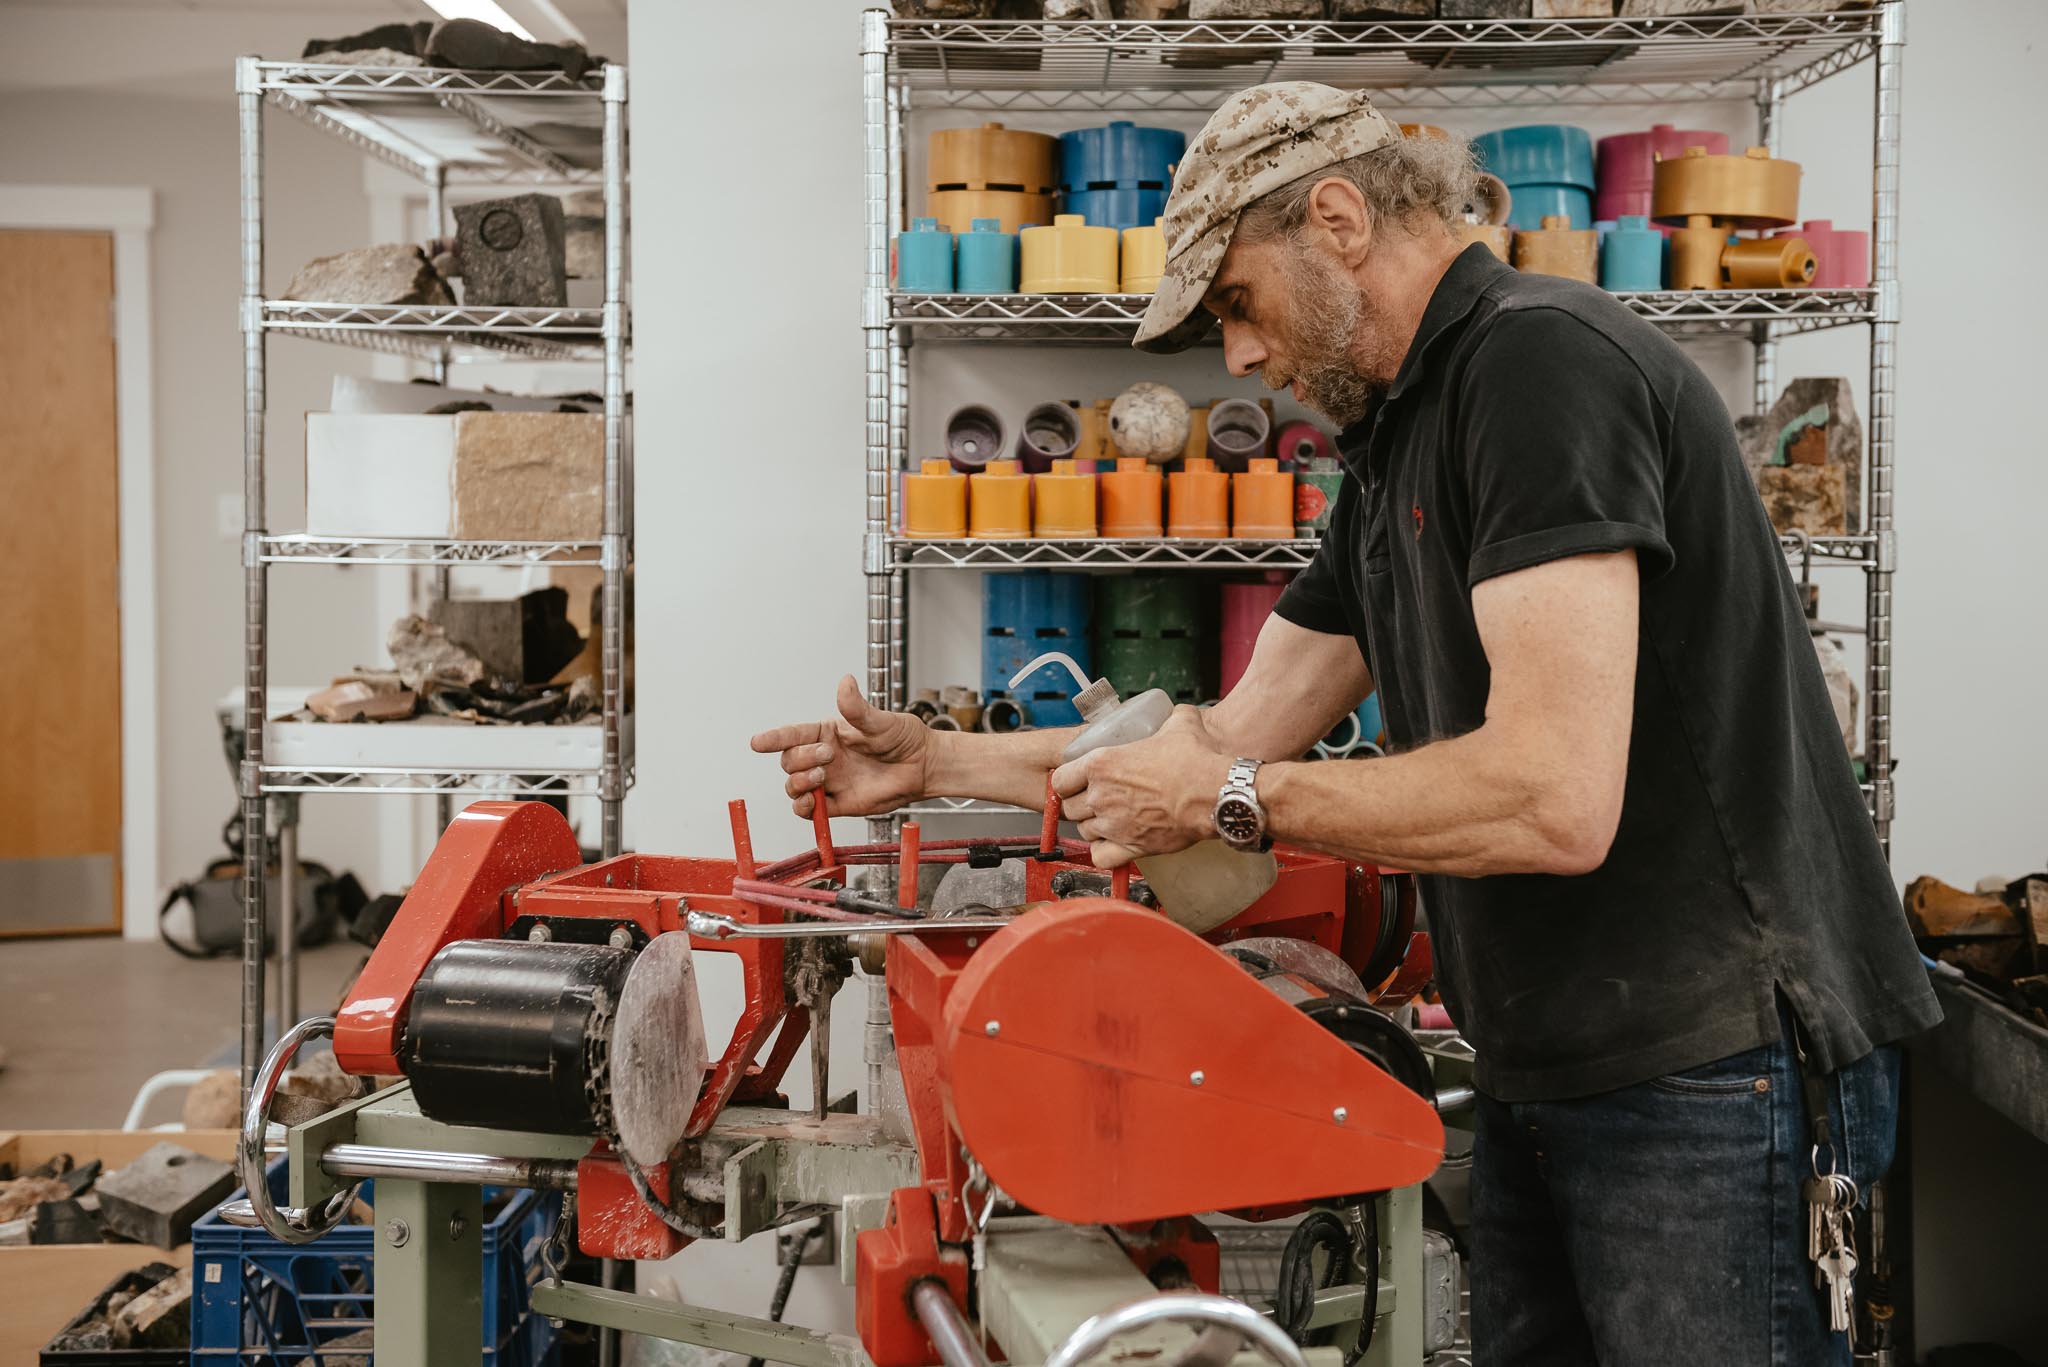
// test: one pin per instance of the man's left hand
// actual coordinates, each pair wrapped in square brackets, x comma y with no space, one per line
[1151,796]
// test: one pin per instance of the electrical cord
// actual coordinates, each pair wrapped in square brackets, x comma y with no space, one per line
[783,1284]
[1295,1300]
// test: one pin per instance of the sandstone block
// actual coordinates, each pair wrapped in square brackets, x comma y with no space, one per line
[529,476]
[1804,498]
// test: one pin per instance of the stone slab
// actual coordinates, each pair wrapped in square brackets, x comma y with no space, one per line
[394,273]
[155,1199]
[529,476]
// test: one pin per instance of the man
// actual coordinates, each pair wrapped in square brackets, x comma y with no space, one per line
[1649,872]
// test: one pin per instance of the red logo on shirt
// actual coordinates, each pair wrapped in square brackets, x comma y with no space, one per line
[1418,521]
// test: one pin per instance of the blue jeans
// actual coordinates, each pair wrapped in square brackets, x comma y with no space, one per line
[1662,1224]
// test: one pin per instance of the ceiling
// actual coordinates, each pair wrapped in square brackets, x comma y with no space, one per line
[187,48]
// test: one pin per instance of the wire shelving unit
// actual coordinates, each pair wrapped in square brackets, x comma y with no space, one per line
[443,127]
[1016,68]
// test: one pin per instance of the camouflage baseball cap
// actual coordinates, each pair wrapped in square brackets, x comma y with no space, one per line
[1260,140]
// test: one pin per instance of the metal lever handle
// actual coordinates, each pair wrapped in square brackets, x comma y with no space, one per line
[711,926]
[288,1224]
[1095,1334]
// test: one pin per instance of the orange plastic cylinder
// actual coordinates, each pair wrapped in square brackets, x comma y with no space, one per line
[1065,502]
[999,502]
[1198,500]
[1262,501]
[1130,496]
[935,502]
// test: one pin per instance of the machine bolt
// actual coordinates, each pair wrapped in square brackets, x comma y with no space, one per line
[620,938]
[1338,1115]
[456,1225]
[1195,1078]
[973,941]
[540,935]
[992,1029]
[396,1232]
[1343,1013]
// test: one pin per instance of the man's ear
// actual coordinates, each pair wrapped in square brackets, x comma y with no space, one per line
[1337,207]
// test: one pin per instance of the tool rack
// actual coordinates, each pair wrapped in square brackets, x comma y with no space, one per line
[1131,69]
[443,127]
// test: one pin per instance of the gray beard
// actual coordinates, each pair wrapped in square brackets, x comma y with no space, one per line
[1328,306]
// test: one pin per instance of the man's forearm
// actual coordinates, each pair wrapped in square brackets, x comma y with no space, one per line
[1010,768]
[1476,805]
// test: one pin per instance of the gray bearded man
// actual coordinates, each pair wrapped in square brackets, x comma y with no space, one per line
[1661,914]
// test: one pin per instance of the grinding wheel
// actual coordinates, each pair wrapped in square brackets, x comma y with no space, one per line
[1302,958]
[658,1052]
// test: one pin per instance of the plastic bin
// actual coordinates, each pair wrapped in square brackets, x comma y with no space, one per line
[256,1300]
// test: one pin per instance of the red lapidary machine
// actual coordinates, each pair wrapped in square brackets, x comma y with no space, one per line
[1069,1097]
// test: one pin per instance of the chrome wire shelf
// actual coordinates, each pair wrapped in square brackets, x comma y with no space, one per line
[560,783]
[1186,65]
[306,548]
[959,806]
[916,553]
[426,330]
[486,127]
[1113,318]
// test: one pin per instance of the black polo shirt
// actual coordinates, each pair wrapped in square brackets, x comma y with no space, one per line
[1536,418]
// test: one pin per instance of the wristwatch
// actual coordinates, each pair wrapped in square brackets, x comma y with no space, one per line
[1240,820]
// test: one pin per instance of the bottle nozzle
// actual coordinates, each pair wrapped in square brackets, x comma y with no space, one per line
[1089,700]
[1051,657]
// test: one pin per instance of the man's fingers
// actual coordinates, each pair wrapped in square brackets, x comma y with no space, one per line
[804,782]
[806,756]
[1069,779]
[1107,854]
[1078,809]
[852,706]
[782,737]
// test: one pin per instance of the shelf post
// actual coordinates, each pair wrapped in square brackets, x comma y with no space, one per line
[1884,331]
[611,782]
[1770,100]
[884,388]
[249,780]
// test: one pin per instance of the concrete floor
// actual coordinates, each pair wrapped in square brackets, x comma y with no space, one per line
[85,1021]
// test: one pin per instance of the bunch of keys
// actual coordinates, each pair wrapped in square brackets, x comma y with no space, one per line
[1831,1243]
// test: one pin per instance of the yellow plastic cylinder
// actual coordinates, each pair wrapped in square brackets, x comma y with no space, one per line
[957,209]
[1559,249]
[990,156]
[1496,236]
[1262,501]
[935,502]
[1069,258]
[1065,503]
[1144,258]
[1130,496]
[1754,190]
[1769,263]
[1094,442]
[1696,255]
[1198,501]
[999,502]
[1198,434]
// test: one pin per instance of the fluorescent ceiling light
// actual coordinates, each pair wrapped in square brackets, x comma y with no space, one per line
[487,10]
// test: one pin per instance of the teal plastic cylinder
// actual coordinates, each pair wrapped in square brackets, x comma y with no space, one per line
[924,258]
[1632,257]
[985,259]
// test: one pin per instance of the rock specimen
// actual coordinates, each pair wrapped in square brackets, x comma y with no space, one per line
[529,476]
[1812,425]
[583,233]
[1257,9]
[423,654]
[1572,9]
[1804,498]
[1150,421]
[526,639]
[1383,9]
[155,1199]
[353,700]
[1834,668]
[1632,9]
[396,273]
[513,252]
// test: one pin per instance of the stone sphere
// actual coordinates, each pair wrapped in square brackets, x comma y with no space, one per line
[1150,421]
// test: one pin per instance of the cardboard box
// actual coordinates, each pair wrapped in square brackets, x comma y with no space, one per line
[379,474]
[529,476]
[42,1288]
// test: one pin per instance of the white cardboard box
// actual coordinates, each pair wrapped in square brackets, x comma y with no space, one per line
[379,474]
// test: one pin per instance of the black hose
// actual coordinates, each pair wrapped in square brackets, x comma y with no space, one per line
[783,1284]
[1294,1302]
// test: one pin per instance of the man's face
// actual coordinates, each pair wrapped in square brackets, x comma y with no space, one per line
[1299,321]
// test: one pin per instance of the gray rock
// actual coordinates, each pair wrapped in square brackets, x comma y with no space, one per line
[1634,9]
[583,234]
[155,1199]
[396,273]
[1383,9]
[1059,10]
[1255,9]
[1484,9]
[422,652]
[160,1317]
[63,1222]
[526,639]
[1782,435]
[1572,9]
[513,252]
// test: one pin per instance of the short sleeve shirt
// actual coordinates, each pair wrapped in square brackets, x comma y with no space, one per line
[1536,418]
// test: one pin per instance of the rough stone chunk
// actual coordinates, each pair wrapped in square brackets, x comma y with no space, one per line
[529,476]
[63,1222]
[1384,9]
[1257,9]
[155,1199]
[397,273]
[1812,410]
[1572,9]
[423,652]
[583,234]
[159,1317]
[214,1102]
[513,252]
[1804,498]
[1484,9]
[1642,8]
[526,639]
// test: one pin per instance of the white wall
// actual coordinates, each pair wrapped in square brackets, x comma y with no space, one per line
[185,151]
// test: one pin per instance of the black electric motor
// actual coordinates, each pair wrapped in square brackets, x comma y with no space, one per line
[515,1035]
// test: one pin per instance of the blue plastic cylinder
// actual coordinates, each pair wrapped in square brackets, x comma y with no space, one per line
[1534,203]
[1370,723]
[1121,207]
[1120,155]
[1538,154]
[1632,257]
[985,260]
[1023,615]
[924,258]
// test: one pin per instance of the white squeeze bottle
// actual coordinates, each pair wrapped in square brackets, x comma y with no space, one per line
[1202,886]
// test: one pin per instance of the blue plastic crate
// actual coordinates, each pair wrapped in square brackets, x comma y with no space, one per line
[256,1300]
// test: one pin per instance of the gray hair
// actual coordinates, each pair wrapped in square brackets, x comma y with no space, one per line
[1412,181]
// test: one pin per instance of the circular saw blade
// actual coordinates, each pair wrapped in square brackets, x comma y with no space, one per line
[658,1055]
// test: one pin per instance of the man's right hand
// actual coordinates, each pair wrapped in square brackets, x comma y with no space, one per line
[865,761]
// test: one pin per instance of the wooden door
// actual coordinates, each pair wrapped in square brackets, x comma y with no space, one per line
[60,654]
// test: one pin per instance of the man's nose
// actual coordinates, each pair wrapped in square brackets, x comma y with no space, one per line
[1243,353]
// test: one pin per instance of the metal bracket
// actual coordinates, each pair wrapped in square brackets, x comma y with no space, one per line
[1887,551]
[874,553]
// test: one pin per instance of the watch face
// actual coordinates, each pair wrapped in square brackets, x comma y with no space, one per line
[1237,821]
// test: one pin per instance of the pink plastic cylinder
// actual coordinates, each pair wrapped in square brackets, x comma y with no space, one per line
[1300,442]
[1627,166]
[1842,257]
[1246,607]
